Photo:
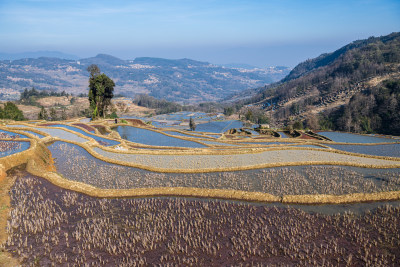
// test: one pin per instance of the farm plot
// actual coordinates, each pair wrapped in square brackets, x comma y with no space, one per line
[11,147]
[147,137]
[240,161]
[52,226]
[76,164]
[388,150]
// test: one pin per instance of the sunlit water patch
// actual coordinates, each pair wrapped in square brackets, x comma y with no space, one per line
[35,134]
[11,147]
[63,134]
[7,134]
[219,126]
[283,135]
[152,138]
[389,150]
[100,140]
[354,138]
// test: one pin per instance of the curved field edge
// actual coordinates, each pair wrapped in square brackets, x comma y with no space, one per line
[39,163]
[242,143]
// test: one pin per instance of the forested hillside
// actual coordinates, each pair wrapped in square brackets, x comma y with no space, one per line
[328,82]
[377,109]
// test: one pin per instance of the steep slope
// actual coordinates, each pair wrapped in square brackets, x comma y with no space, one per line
[376,109]
[182,80]
[330,80]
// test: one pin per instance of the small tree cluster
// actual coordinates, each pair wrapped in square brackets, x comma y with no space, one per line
[192,124]
[12,112]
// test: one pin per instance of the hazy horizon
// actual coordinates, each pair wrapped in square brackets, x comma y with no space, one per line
[258,33]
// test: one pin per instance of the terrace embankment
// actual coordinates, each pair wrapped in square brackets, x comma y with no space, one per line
[232,161]
[205,163]
[76,164]
[5,184]
[92,181]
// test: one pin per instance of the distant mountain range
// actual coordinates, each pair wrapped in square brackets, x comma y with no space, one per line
[38,54]
[181,80]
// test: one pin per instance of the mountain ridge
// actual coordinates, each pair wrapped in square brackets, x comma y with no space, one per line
[320,85]
[182,80]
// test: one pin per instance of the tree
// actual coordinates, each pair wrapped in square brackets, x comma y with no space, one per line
[63,114]
[311,122]
[101,89]
[192,124]
[53,114]
[298,125]
[12,112]
[43,114]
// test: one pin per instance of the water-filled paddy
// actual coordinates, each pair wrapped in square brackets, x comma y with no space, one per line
[185,135]
[147,137]
[218,126]
[76,164]
[53,225]
[63,134]
[210,162]
[354,138]
[34,133]
[389,150]
[283,135]
[100,140]
[8,134]
[11,147]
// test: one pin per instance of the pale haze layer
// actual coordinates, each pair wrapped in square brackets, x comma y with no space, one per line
[259,33]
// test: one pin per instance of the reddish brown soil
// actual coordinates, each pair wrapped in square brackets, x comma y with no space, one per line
[304,136]
[84,126]
[136,122]
[47,124]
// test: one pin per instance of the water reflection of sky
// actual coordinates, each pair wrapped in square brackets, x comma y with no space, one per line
[152,138]
[355,138]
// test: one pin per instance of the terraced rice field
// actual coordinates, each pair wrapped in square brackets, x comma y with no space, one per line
[186,135]
[218,126]
[392,150]
[211,162]
[7,134]
[49,225]
[35,134]
[75,163]
[147,137]
[11,147]
[100,140]
[355,138]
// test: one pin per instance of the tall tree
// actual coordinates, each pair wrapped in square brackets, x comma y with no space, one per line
[101,91]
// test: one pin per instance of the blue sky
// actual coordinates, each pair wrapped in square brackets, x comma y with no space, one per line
[261,33]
